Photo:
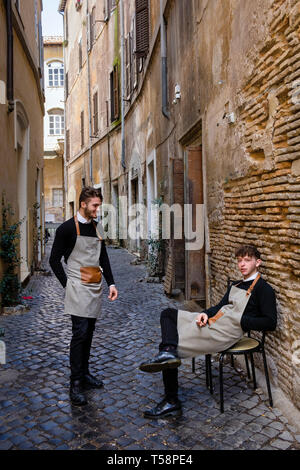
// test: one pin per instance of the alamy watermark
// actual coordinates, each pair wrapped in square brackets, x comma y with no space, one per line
[2,352]
[139,221]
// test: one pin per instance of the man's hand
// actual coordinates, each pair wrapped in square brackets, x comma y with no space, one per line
[113,293]
[201,319]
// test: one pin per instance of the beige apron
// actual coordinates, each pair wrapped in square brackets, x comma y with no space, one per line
[83,299]
[223,331]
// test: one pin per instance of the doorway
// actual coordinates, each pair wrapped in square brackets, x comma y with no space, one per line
[193,196]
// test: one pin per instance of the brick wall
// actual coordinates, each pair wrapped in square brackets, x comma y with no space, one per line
[262,204]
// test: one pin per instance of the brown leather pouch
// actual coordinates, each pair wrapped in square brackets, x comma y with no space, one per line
[90,274]
[216,317]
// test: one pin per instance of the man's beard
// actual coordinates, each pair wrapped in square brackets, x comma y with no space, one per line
[87,213]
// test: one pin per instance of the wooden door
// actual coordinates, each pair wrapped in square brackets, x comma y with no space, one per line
[194,259]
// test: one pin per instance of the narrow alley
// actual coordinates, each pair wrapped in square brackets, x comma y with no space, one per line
[35,410]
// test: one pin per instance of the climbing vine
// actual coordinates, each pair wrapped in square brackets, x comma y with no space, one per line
[10,287]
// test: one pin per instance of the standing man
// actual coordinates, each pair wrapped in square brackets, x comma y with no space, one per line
[79,241]
[249,304]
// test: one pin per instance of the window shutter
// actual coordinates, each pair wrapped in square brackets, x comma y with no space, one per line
[82,128]
[68,145]
[142,27]
[95,105]
[116,92]
[89,32]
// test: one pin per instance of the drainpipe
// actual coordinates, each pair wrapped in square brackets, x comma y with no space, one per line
[65,183]
[10,57]
[89,95]
[122,84]
[164,71]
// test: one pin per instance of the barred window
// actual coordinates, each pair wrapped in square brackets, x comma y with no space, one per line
[57,197]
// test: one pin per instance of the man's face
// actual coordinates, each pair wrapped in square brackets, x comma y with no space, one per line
[248,265]
[90,207]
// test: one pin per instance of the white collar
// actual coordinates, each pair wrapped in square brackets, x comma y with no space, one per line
[82,220]
[251,278]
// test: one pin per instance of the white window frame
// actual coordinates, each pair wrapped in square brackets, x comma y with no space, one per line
[59,83]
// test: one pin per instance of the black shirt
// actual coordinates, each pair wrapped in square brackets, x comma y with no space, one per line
[260,313]
[63,245]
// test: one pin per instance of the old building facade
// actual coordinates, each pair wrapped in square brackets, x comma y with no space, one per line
[195,102]
[54,130]
[21,123]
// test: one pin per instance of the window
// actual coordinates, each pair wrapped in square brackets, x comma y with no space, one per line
[95,113]
[82,128]
[142,27]
[114,94]
[80,54]
[56,74]
[57,198]
[56,122]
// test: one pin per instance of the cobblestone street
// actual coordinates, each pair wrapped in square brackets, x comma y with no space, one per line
[35,411]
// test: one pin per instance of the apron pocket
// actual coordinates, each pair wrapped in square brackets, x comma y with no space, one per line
[216,317]
[90,274]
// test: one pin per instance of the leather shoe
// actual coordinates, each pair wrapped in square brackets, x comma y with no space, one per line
[89,381]
[76,393]
[164,360]
[163,409]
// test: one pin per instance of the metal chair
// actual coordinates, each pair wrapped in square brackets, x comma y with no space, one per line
[246,345]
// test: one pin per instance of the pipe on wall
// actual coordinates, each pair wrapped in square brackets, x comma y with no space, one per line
[121,3]
[10,57]
[164,69]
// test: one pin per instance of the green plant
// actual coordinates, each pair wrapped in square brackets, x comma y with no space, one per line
[155,258]
[10,287]
[36,234]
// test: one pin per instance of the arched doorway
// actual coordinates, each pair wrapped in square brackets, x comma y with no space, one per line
[22,149]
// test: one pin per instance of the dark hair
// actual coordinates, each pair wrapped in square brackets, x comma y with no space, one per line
[247,250]
[88,192]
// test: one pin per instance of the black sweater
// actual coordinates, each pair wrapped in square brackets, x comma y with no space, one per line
[260,313]
[64,242]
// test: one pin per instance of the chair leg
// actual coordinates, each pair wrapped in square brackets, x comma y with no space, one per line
[253,371]
[221,382]
[247,366]
[206,371]
[209,373]
[267,377]
[193,365]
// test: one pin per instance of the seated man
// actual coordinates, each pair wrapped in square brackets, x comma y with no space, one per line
[249,304]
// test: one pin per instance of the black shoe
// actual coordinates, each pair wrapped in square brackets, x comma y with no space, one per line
[163,409]
[89,381]
[76,393]
[164,360]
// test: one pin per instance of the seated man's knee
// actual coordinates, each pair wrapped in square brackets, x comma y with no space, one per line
[168,313]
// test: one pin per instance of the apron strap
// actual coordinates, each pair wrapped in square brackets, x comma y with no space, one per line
[253,284]
[77,225]
[97,232]
[78,229]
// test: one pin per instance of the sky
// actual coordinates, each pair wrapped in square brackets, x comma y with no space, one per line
[52,21]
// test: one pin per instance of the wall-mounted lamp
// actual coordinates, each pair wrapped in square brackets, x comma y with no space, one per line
[177,94]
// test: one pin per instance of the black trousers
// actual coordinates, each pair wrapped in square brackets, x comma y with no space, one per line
[80,347]
[169,341]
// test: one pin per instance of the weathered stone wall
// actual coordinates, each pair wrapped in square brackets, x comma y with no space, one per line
[260,202]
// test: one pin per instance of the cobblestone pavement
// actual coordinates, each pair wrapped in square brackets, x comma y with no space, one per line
[35,411]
